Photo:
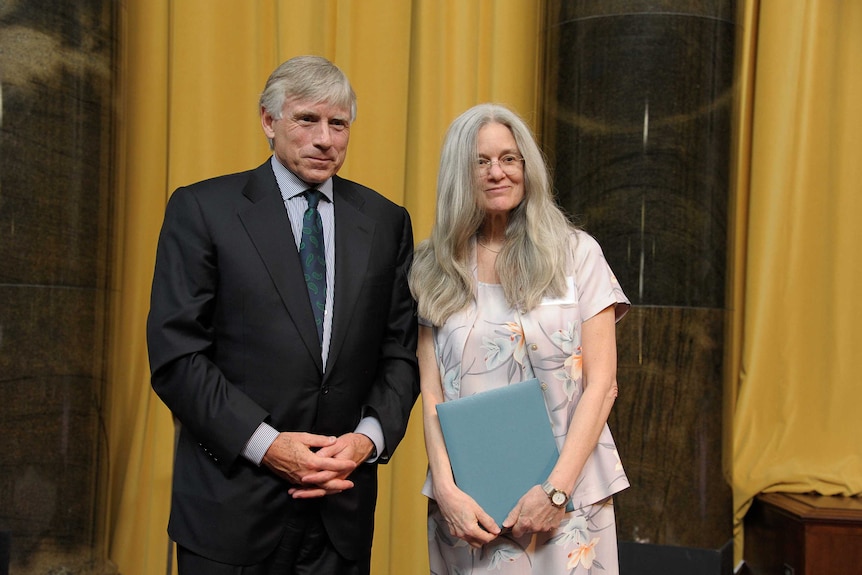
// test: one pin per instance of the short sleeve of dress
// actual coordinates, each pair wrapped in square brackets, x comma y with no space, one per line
[596,283]
[424,322]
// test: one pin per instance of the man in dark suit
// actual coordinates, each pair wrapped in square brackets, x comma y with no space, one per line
[284,412]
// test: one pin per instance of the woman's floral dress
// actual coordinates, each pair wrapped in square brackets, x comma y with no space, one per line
[491,345]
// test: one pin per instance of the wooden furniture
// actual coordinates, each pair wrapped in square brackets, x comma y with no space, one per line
[803,534]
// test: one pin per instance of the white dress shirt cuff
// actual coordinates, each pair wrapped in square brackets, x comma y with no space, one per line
[370,427]
[259,442]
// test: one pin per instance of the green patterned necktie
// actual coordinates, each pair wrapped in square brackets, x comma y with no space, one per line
[313,256]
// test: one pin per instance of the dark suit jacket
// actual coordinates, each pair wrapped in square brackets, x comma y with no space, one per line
[232,343]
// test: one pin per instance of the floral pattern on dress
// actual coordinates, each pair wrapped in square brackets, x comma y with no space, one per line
[491,345]
[585,554]
[575,548]
[504,349]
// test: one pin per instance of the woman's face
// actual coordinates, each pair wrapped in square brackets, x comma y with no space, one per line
[501,178]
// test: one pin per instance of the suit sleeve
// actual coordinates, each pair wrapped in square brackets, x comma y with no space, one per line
[397,383]
[181,336]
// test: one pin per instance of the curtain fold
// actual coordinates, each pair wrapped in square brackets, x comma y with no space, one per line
[140,432]
[740,160]
[795,422]
[190,75]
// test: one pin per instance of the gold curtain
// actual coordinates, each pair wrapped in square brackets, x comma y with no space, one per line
[190,75]
[796,314]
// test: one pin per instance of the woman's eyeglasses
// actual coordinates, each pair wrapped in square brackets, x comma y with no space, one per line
[510,164]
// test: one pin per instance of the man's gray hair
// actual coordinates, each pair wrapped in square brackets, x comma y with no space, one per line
[311,78]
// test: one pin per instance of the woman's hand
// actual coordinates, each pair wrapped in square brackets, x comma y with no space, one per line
[533,513]
[466,518]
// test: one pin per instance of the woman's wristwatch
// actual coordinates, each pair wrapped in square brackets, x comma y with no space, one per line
[558,498]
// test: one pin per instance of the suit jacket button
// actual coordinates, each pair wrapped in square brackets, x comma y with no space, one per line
[324,390]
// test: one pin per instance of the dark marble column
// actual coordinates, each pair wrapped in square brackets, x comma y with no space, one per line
[637,127]
[57,59]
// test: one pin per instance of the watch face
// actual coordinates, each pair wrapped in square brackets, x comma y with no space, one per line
[559,498]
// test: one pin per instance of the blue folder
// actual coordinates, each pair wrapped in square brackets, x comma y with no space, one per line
[500,444]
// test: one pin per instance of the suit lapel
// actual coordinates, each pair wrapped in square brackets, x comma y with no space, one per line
[354,232]
[267,224]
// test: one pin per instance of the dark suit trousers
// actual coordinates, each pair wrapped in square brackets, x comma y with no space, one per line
[305,549]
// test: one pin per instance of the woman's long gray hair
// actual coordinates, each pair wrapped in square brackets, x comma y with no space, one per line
[531,264]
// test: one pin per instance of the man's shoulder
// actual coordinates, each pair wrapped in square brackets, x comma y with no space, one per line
[233,180]
[221,187]
[358,193]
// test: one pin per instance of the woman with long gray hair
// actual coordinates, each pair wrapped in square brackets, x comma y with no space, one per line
[508,290]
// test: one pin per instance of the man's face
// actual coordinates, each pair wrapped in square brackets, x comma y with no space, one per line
[310,139]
